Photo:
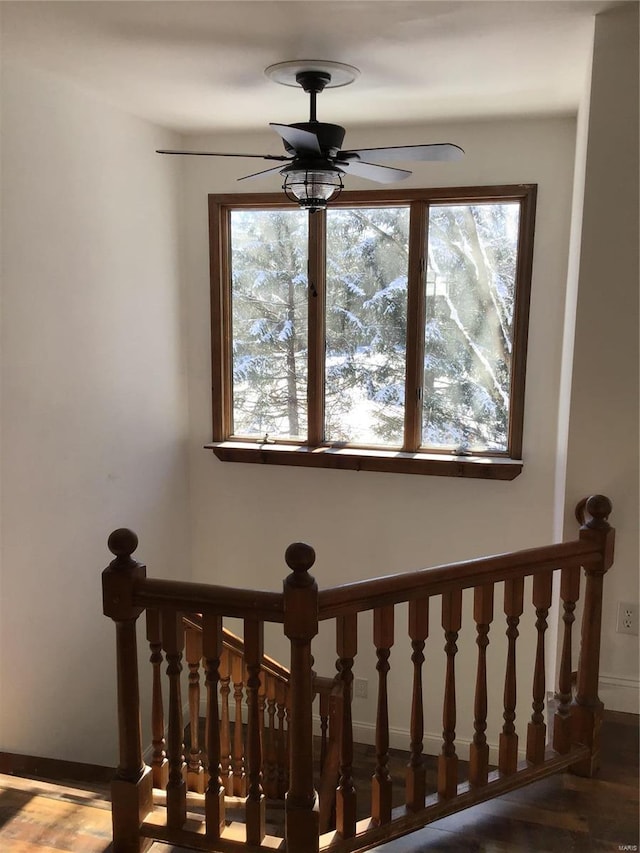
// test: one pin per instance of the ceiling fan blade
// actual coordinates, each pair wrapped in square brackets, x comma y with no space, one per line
[302,141]
[260,174]
[381,174]
[438,151]
[223,154]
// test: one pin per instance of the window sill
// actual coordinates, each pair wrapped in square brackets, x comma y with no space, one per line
[357,459]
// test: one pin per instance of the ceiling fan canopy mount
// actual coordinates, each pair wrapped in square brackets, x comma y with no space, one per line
[335,74]
[315,161]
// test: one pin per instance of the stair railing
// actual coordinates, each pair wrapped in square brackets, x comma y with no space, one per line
[574,745]
[273,696]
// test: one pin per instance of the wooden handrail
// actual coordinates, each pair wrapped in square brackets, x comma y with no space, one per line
[189,597]
[322,684]
[368,594]
[407,586]
[232,641]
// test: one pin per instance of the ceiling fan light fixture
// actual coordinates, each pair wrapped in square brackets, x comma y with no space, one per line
[312,188]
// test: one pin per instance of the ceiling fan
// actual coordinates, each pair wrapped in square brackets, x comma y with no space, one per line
[315,162]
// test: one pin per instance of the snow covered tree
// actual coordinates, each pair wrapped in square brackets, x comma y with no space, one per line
[269,321]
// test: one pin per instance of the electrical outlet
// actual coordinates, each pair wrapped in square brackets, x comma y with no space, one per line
[360,688]
[627,618]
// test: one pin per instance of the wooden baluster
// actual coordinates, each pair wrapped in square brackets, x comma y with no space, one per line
[347,648]
[281,739]
[381,781]
[587,709]
[131,789]
[330,772]
[239,778]
[537,730]
[513,606]
[214,794]
[569,593]
[195,770]
[301,626]
[287,740]
[271,750]
[448,760]
[262,707]
[226,768]
[173,644]
[159,763]
[324,726]
[479,749]
[416,773]
[255,805]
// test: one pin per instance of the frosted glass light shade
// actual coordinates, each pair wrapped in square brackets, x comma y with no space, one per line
[312,188]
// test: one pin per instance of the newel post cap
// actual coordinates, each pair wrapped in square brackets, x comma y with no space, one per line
[597,508]
[300,593]
[593,514]
[119,576]
[122,543]
[300,557]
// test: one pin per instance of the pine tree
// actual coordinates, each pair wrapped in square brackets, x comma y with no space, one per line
[469,325]
[367,258]
[269,306]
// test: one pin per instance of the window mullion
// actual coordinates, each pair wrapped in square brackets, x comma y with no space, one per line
[415,326]
[316,309]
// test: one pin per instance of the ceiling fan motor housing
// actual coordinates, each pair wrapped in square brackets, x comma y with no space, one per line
[330,136]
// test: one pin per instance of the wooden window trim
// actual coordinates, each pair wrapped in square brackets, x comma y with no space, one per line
[411,458]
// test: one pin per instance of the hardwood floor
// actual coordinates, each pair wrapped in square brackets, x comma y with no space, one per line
[38,816]
[564,813]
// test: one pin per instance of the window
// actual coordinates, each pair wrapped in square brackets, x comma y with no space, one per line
[387,333]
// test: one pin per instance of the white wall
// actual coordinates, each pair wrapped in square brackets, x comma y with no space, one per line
[94,373]
[365,524]
[603,428]
[94,415]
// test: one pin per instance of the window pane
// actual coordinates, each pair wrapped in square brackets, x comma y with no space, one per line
[366,324]
[469,325]
[269,322]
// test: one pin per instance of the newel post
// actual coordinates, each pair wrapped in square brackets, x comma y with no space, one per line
[301,626]
[131,789]
[587,709]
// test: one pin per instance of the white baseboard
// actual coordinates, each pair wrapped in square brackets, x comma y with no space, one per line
[398,738]
[432,743]
[620,694]
[617,694]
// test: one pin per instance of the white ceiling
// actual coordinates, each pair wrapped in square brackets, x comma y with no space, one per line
[198,66]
